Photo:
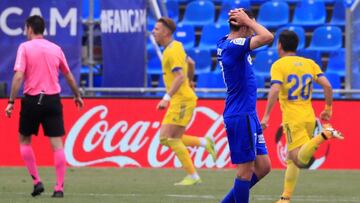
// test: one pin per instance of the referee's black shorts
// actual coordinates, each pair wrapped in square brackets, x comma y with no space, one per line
[49,114]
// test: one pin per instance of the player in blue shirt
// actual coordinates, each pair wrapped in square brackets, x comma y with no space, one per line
[246,141]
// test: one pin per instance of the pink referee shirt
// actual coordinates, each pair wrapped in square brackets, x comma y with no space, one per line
[40,60]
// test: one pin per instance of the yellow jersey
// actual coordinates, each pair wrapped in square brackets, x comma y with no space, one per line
[174,57]
[296,75]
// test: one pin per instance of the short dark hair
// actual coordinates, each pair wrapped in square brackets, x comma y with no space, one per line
[249,13]
[288,40]
[168,22]
[36,23]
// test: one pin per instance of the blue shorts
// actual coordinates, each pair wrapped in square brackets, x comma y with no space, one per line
[245,138]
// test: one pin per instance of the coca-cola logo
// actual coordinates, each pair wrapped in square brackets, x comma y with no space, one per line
[95,138]
[315,162]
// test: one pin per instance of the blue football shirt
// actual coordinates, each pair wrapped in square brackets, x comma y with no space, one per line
[236,66]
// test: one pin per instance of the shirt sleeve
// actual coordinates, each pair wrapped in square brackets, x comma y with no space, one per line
[316,70]
[20,62]
[176,60]
[276,74]
[64,67]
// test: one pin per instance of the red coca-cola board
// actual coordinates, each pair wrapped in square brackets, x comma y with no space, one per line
[124,133]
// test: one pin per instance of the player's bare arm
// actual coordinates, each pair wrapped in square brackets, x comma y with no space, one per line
[328,93]
[71,82]
[178,80]
[272,98]
[15,86]
[191,71]
[262,37]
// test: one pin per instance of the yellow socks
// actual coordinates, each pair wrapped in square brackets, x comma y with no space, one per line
[182,153]
[191,141]
[291,177]
[308,149]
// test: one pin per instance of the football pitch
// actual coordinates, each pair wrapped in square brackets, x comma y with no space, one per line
[156,185]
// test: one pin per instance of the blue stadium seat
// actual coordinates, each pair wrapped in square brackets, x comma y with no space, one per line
[297,29]
[186,35]
[257,2]
[202,60]
[293,1]
[199,13]
[311,54]
[227,6]
[356,82]
[273,14]
[172,9]
[335,81]
[309,13]
[336,62]
[210,80]
[338,15]
[260,83]
[211,34]
[84,75]
[154,63]
[326,39]
[263,62]
[262,48]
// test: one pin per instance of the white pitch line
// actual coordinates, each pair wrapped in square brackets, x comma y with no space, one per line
[192,196]
[310,198]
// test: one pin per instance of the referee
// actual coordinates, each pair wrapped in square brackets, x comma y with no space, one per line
[38,63]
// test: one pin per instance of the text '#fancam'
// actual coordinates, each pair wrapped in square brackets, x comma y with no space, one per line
[123,20]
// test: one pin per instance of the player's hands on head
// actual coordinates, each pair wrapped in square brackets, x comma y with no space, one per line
[162,104]
[238,17]
[79,102]
[9,109]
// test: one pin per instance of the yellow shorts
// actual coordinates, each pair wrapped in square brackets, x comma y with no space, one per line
[179,113]
[298,133]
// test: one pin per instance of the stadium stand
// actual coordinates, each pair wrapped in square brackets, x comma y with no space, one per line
[297,29]
[273,14]
[199,13]
[309,13]
[336,63]
[186,35]
[326,39]
[319,25]
[202,59]
[228,5]
[263,61]
[211,34]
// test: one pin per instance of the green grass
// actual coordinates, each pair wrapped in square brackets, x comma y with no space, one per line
[156,185]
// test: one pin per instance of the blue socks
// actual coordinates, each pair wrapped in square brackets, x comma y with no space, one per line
[240,191]
[254,180]
[229,198]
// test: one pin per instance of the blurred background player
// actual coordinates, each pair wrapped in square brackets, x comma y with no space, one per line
[292,77]
[38,62]
[182,100]
[246,141]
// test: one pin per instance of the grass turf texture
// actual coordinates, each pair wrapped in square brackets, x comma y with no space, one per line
[156,185]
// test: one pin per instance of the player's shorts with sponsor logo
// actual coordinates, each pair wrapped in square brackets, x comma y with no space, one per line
[245,137]
[179,112]
[298,133]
